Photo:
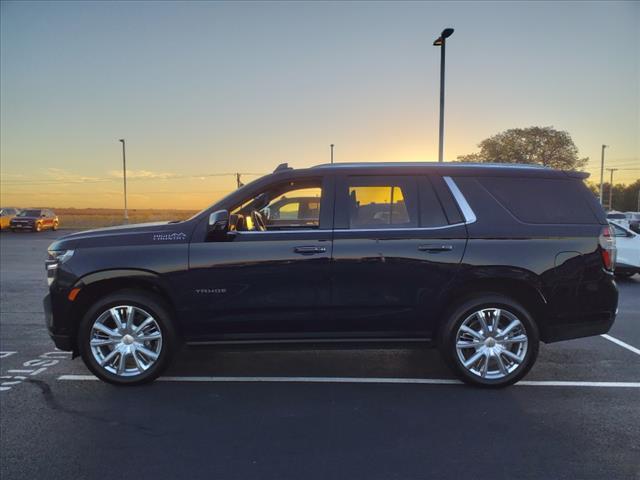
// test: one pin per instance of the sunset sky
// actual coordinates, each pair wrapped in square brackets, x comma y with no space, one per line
[207,88]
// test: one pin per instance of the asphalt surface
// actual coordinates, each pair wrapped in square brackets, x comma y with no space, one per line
[52,428]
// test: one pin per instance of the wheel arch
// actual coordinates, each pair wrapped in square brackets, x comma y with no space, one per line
[100,284]
[523,291]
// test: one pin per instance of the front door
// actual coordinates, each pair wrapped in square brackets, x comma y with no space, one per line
[265,283]
[394,252]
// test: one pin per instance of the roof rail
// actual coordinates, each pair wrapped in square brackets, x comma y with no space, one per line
[281,167]
[432,164]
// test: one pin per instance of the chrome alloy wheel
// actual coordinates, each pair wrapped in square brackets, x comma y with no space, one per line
[491,343]
[125,340]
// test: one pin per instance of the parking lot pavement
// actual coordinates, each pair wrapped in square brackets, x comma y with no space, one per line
[81,428]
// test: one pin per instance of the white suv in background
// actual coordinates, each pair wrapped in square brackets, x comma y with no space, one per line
[628,255]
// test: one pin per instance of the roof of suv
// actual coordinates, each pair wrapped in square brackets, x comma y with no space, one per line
[450,168]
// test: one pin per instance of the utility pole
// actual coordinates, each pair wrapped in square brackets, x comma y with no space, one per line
[124,172]
[611,187]
[441,42]
[602,173]
[238,182]
[332,145]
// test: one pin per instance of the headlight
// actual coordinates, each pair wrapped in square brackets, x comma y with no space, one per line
[55,258]
[59,256]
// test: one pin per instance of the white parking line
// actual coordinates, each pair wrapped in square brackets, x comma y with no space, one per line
[427,381]
[621,343]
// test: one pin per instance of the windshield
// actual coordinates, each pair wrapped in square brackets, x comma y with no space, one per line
[29,213]
[244,187]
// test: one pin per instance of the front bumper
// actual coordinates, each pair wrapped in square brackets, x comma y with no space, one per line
[21,226]
[63,341]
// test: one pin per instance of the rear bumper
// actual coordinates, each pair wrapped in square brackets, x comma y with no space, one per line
[591,311]
[596,324]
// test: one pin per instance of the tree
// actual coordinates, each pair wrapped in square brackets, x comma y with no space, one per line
[625,197]
[535,145]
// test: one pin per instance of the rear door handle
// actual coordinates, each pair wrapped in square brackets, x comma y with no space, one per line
[305,250]
[435,248]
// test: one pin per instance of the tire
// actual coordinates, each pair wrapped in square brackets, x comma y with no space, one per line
[502,369]
[625,274]
[13,230]
[144,305]
[38,227]
[55,226]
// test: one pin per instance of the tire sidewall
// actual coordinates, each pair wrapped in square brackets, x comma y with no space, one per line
[447,338]
[151,304]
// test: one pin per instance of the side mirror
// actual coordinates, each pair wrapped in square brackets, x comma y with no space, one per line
[219,221]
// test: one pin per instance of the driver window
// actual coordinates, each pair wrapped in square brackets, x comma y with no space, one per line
[295,208]
[293,205]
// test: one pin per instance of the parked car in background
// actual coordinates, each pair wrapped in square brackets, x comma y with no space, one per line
[628,255]
[634,221]
[35,220]
[6,214]
[482,261]
[618,218]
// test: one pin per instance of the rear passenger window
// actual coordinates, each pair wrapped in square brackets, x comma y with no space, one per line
[431,212]
[541,200]
[382,202]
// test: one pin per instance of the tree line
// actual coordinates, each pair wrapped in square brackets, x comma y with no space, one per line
[553,148]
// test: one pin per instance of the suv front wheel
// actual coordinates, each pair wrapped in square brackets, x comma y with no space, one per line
[127,338]
[490,340]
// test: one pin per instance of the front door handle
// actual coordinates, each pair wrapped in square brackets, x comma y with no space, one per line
[435,248]
[305,250]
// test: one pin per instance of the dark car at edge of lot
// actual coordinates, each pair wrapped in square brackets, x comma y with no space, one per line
[482,261]
[35,220]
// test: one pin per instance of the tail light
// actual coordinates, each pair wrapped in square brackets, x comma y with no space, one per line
[607,242]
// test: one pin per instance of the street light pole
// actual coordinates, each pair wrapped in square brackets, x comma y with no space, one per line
[602,172]
[332,145]
[441,42]
[611,187]
[124,172]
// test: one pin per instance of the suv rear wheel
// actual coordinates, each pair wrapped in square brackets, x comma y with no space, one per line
[127,338]
[490,340]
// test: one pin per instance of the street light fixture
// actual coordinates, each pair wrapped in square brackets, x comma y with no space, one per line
[124,171]
[441,42]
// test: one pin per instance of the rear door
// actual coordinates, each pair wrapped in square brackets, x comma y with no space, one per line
[394,252]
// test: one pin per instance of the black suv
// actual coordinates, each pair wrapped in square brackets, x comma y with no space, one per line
[483,261]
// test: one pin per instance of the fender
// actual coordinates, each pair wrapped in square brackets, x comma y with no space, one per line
[103,275]
[501,279]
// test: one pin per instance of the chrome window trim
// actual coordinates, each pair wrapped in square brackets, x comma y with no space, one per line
[401,229]
[466,209]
